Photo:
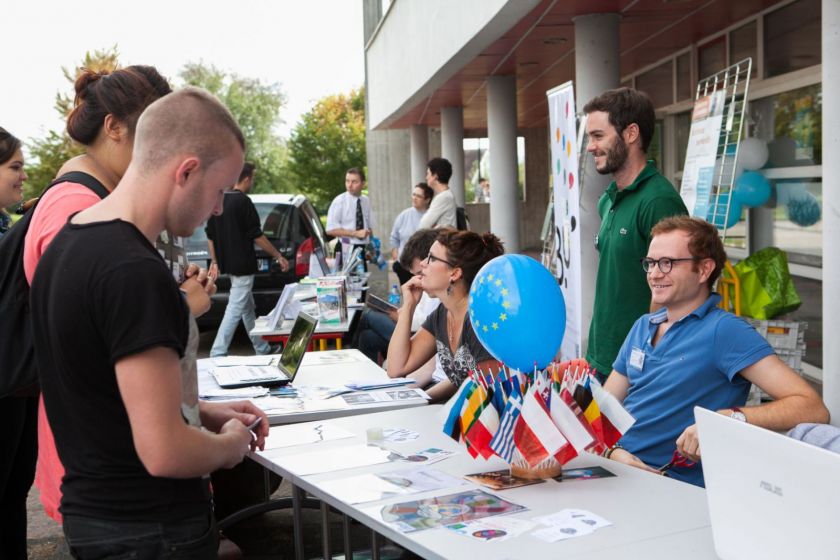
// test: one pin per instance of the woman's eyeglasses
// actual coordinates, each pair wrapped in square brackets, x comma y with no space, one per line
[431,258]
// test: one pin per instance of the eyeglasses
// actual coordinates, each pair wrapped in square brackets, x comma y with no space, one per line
[677,460]
[431,258]
[665,264]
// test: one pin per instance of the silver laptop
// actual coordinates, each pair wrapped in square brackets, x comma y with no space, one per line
[281,373]
[770,496]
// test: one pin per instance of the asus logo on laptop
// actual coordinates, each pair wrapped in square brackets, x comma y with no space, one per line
[772,488]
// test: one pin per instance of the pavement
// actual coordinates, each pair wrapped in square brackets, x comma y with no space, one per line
[266,536]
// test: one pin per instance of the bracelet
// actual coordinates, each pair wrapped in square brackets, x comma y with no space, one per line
[610,450]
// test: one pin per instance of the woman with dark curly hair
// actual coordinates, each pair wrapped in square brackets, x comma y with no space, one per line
[447,273]
[12,176]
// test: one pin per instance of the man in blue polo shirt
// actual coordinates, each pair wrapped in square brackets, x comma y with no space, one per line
[692,353]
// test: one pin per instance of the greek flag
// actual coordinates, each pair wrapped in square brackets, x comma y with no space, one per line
[502,442]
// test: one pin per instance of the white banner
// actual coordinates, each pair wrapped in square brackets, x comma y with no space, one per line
[564,169]
[699,169]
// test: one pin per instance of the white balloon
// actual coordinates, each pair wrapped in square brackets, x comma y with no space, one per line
[753,153]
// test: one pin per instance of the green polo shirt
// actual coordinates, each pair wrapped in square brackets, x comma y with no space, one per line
[621,291]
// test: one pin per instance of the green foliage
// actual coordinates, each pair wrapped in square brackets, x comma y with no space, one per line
[329,140]
[47,155]
[256,107]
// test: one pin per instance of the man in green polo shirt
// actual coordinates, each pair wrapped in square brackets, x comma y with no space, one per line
[620,126]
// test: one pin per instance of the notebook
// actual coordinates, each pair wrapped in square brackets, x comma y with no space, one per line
[286,368]
[770,496]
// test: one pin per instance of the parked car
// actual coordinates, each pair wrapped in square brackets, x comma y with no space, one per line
[292,225]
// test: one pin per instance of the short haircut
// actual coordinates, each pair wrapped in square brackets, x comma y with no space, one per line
[626,106]
[247,171]
[123,93]
[469,250]
[9,145]
[417,246]
[704,241]
[356,171]
[442,168]
[428,193]
[188,121]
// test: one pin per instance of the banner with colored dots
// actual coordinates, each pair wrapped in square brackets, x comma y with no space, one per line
[564,167]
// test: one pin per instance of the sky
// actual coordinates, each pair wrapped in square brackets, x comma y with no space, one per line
[311,48]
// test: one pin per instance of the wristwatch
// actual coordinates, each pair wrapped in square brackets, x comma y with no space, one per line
[738,414]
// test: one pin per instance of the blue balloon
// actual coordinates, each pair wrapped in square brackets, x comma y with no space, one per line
[518,312]
[752,189]
[717,214]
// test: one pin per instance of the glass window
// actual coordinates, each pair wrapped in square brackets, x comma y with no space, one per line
[711,58]
[658,84]
[682,122]
[477,169]
[654,150]
[797,219]
[685,87]
[810,291]
[792,36]
[743,43]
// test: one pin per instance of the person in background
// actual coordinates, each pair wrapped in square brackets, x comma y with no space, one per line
[406,223]
[447,274]
[350,217]
[18,412]
[103,121]
[376,327]
[230,240]
[442,212]
[620,126]
[692,353]
[109,325]
[482,193]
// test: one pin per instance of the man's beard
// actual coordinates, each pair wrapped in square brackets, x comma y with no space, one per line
[616,157]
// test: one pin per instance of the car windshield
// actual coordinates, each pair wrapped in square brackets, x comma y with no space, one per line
[275,219]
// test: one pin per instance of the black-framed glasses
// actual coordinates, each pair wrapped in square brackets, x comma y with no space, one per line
[431,258]
[665,264]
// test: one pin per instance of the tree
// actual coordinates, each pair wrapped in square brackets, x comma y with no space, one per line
[329,140]
[256,106]
[50,153]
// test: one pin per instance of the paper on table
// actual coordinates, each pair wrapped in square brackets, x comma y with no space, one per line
[569,523]
[337,459]
[330,357]
[229,361]
[374,487]
[384,396]
[301,434]
[494,528]
[286,405]
[240,393]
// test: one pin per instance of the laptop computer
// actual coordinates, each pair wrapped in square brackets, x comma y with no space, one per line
[770,496]
[281,373]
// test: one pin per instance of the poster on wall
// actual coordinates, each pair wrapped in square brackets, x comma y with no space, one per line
[564,169]
[699,168]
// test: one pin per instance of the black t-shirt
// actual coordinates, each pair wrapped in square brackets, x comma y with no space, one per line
[470,351]
[233,234]
[101,292]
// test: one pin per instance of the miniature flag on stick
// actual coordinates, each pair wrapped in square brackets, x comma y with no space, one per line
[535,435]
[615,418]
[452,410]
[502,442]
[569,424]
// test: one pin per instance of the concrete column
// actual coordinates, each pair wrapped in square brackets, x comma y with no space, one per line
[831,205]
[504,172]
[596,70]
[419,153]
[452,148]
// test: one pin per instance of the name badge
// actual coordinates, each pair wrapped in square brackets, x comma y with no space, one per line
[637,358]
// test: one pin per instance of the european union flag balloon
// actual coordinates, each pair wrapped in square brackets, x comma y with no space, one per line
[517,311]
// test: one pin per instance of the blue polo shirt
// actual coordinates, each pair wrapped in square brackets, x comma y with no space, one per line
[696,363]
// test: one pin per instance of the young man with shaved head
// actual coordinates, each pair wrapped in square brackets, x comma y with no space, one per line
[110,325]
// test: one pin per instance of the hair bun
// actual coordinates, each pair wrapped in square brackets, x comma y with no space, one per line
[85,79]
[492,243]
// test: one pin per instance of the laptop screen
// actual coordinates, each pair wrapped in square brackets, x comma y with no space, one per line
[322,261]
[297,343]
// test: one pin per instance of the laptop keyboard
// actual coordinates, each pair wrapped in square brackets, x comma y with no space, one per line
[239,375]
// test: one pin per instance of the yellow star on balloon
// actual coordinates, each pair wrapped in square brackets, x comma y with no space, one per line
[484,328]
[503,316]
[481,280]
[477,323]
[498,282]
[504,291]
[495,326]
[490,277]
[505,304]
